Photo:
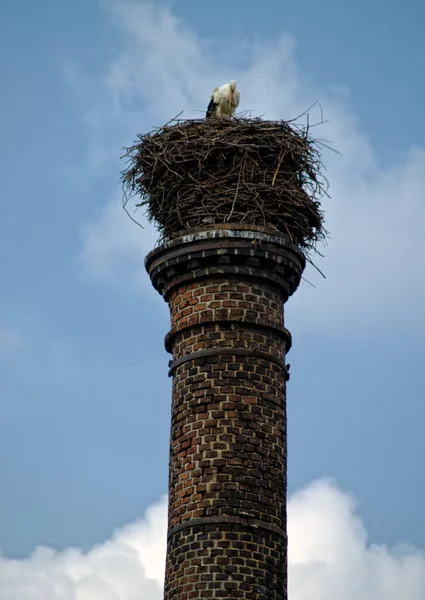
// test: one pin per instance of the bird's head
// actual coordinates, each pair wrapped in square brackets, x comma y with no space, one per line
[232,87]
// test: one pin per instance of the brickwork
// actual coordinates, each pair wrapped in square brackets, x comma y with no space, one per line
[233,300]
[227,475]
[231,334]
[224,561]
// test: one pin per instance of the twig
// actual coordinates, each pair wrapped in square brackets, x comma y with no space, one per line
[308,259]
[307,281]
[124,205]
[277,168]
[194,171]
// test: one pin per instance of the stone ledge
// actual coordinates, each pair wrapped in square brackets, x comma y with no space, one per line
[226,253]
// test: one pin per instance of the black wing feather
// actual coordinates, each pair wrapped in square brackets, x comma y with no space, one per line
[211,108]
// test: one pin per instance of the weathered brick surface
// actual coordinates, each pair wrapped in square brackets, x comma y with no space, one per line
[236,299]
[226,287]
[225,562]
[227,335]
[228,443]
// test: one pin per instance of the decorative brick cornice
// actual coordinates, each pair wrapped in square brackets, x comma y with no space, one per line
[226,252]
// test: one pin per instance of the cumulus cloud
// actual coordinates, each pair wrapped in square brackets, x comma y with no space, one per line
[330,556]
[128,566]
[329,559]
[375,273]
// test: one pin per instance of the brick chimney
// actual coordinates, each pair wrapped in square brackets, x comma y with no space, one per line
[226,288]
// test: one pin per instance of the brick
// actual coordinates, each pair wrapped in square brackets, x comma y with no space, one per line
[228,443]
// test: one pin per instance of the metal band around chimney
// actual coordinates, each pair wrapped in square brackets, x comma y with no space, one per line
[246,322]
[226,351]
[228,519]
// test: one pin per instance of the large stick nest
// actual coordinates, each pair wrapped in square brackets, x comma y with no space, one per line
[241,170]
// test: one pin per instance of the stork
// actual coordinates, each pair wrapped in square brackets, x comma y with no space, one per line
[224,100]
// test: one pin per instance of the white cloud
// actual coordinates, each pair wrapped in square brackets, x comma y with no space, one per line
[329,559]
[374,266]
[113,247]
[330,556]
[129,566]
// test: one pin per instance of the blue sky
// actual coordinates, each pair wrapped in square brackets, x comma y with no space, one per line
[84,393]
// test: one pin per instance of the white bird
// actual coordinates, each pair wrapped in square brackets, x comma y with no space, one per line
[224,100]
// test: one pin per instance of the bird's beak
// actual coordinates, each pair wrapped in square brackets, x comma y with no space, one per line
[231,96]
